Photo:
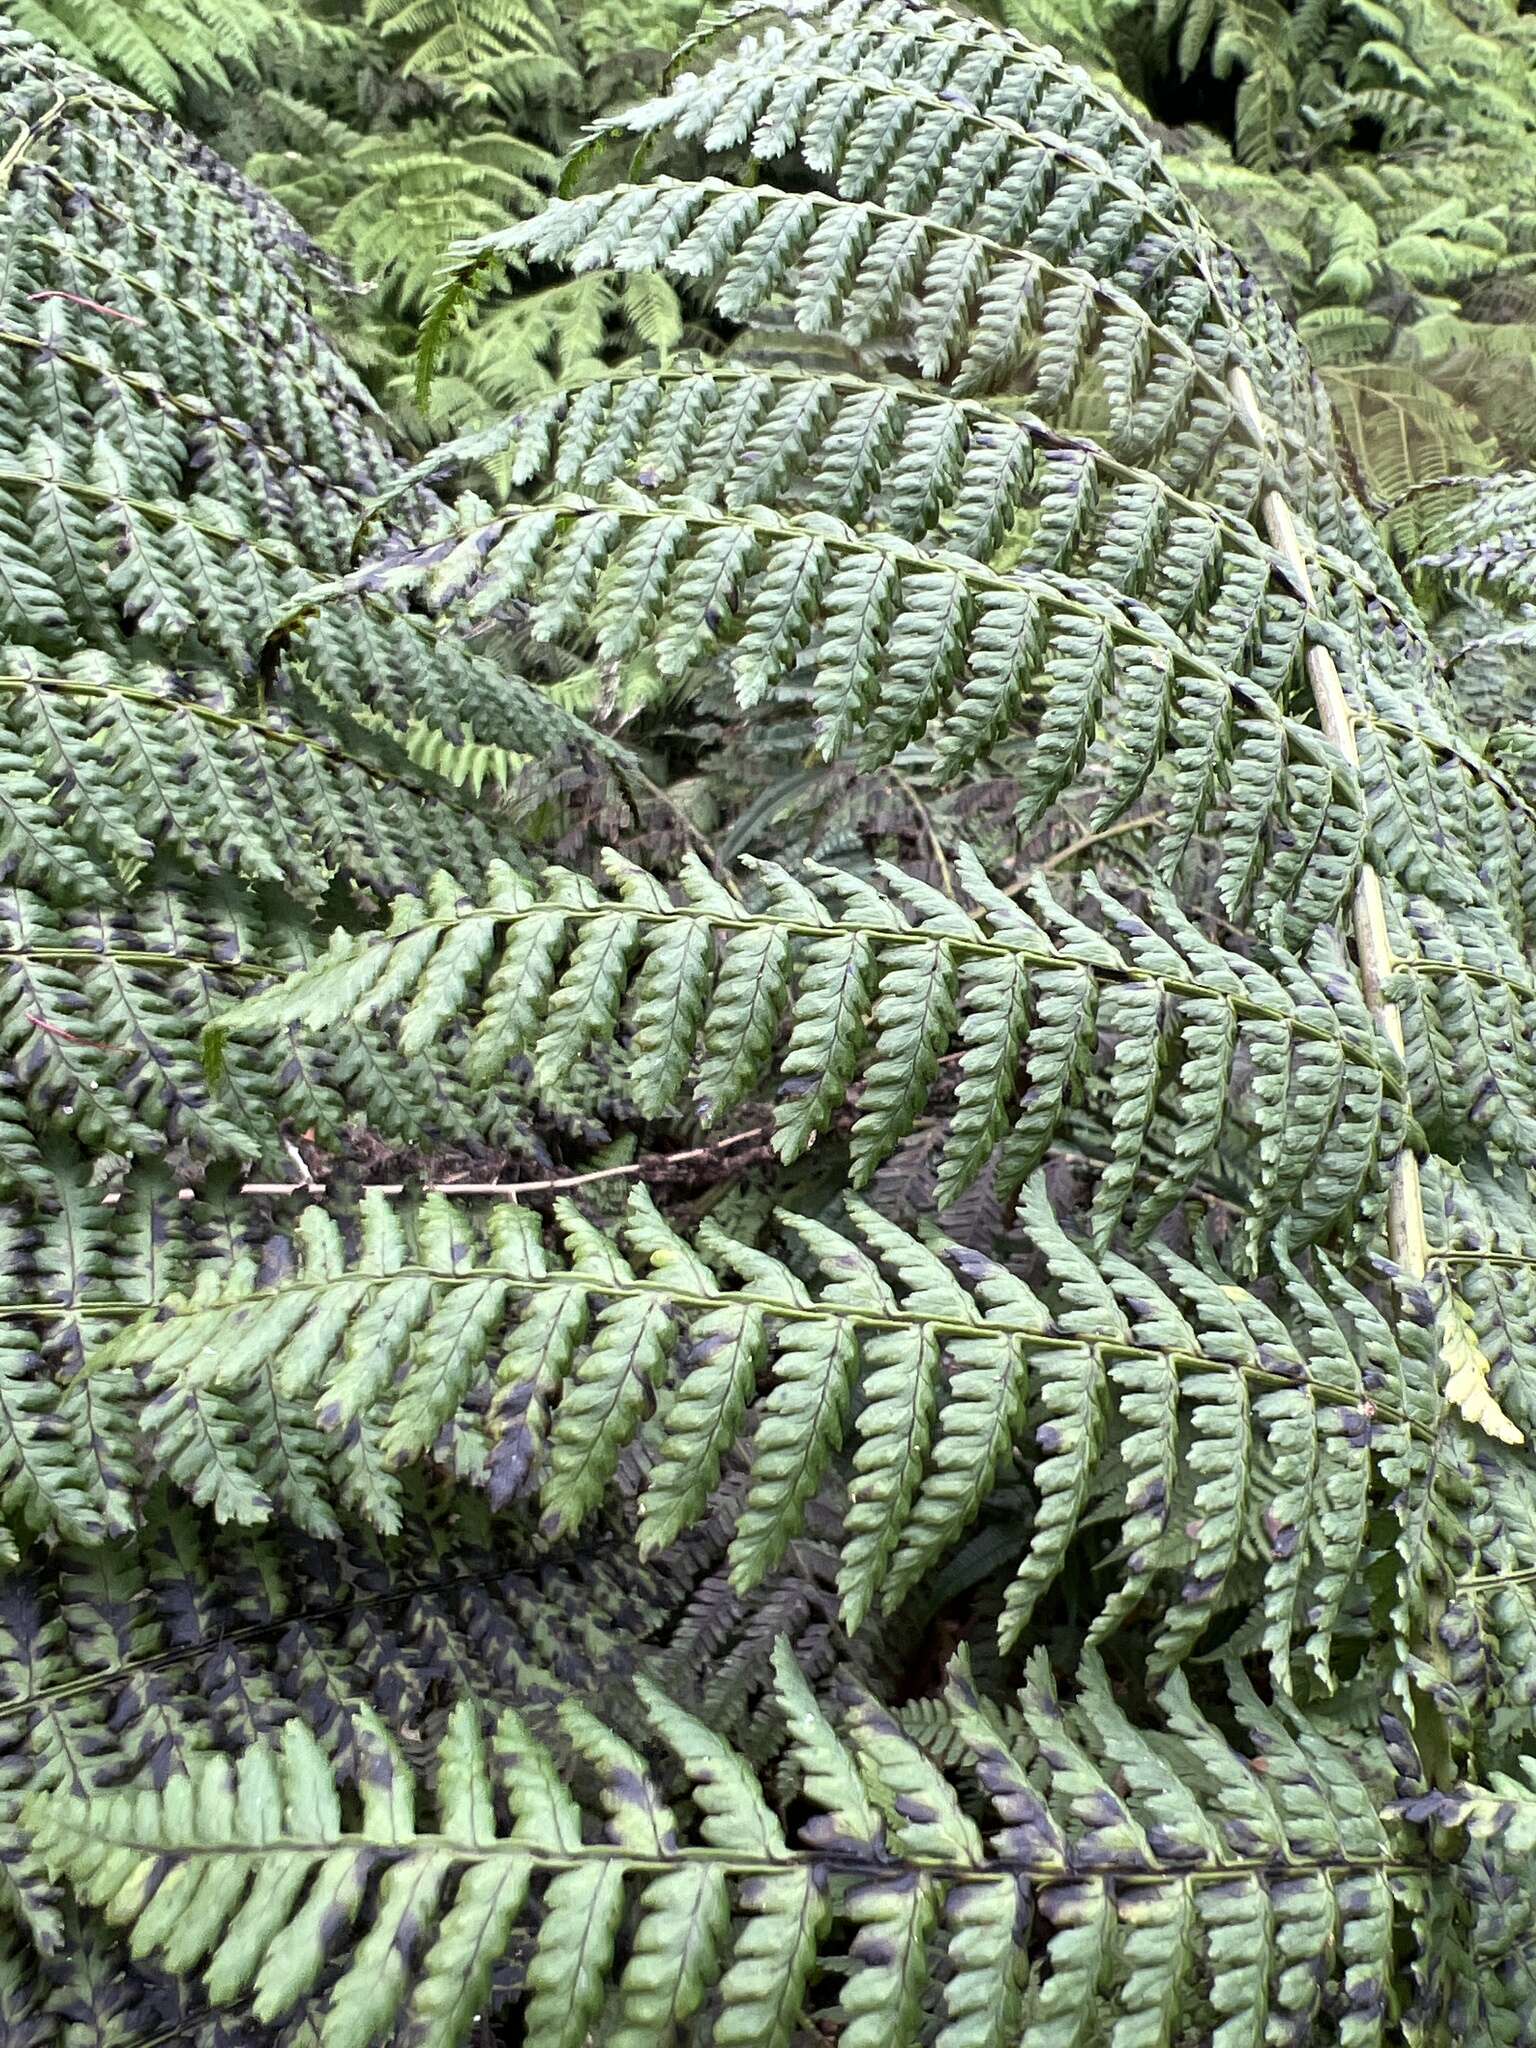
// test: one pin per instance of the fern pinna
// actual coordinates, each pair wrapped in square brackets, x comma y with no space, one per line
[597,1558]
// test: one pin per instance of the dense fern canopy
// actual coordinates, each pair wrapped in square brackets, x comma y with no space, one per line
[766,1193]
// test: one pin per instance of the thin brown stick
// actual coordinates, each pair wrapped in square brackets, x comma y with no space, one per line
[90,305]
[1081,845]
[653,1162]
[925,818]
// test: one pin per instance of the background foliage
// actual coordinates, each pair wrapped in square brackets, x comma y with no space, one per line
[1371,162]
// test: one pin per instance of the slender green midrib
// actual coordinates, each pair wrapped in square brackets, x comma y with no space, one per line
[1490,977]
[1369,1049]
[763,520]
[999,1870]
[71,686]
[160,394]
[694,1303]
[123,956]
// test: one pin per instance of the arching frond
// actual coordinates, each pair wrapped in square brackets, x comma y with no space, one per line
[877,988]
[1213,1416]
[1110,1882]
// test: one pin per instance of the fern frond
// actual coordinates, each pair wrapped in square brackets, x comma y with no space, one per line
[232,1871]
[100,1012]
[1004,492]
[1480,534]
[1002,75]
[468,48]
[138,760]
[879,990]
[1407,430]
[962,474]
[181,455]
[1191,1396]
[884,103]
[145,1653]
[989,317]
[159,47]
[897,639]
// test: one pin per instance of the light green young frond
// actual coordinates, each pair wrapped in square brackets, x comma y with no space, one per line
[471,49]
[162,47]
[1408,432]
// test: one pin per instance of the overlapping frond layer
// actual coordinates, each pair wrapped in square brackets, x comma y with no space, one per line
[898,1000]
[182,454]
[1466,990]
[34,74]
[1218,1430]
[955,124]
[144,1659]
[162,49]
[100,1015]
[684,512]
[974,488]
[1146,1871]
[109,764]
[920,566]
[961,74]
[896,639]
[845,534]
[834,259]
[964,474]
[961,119]
[1453,829]
[1018,217]
[79,1448]
[687,510]
[184,524]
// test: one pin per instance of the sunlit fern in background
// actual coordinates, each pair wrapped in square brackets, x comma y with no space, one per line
[391,128]
[1377,166]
